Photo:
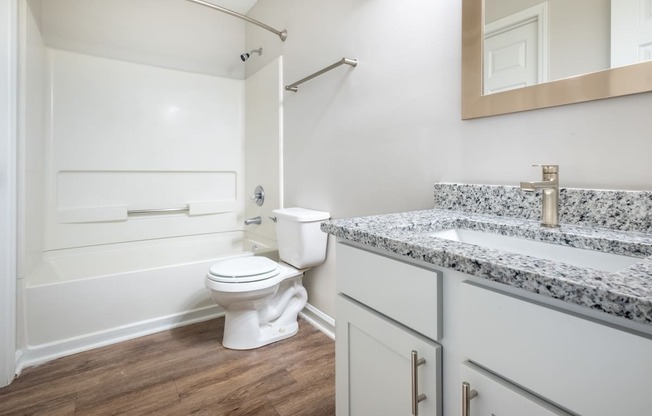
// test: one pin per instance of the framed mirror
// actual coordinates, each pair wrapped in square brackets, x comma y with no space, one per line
[479,101]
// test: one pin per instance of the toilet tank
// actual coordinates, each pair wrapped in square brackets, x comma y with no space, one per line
[301,243]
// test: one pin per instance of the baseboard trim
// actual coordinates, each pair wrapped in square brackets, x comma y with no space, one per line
[319,320]
[32,356]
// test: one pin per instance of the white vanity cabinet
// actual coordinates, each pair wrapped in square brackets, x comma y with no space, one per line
[587,367]
[487,394]
[386,365]
[376,362]
[523,354]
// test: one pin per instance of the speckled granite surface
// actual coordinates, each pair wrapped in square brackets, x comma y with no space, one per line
[625,293]
[619,210]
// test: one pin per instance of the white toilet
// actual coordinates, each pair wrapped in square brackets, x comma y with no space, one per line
[262,298]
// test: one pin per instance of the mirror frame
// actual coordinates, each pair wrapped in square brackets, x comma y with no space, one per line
[631,79]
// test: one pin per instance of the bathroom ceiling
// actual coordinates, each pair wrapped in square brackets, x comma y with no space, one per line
[175,34]
[240,6]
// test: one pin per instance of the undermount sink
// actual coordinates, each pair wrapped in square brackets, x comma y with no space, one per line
[575,256]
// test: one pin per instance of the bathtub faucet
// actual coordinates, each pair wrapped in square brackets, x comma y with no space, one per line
[254,220]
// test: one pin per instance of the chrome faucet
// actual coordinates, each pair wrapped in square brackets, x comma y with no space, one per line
[549,186]
[254,220]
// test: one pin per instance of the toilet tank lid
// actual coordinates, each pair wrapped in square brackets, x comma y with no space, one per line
[301,214]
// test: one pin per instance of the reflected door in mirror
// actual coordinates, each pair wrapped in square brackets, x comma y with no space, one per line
[631,32]
[515,51]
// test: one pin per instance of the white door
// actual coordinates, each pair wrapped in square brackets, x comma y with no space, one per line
[374,362]
[515,51]
[631,32]
[498,397]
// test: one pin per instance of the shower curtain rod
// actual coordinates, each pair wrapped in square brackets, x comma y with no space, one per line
[283,34]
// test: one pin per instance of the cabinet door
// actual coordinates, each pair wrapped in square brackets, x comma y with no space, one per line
[374,365]
[591,368]
[499,397]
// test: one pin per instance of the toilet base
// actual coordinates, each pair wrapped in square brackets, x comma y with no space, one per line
[246,329]
[268,335]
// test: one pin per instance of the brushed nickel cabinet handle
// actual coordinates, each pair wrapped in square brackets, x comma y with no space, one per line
[467,395]
[416,397]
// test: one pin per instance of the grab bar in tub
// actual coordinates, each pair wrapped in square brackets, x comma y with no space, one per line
[158,211]
[122,213]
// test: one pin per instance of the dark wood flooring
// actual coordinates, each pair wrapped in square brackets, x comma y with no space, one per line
[184,371]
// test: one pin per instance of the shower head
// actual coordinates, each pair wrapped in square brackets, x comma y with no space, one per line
[246,55]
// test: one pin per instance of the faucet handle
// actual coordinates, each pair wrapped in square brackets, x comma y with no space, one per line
[258,197]
[547,168]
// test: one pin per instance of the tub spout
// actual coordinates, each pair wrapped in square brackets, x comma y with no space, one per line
[254,220]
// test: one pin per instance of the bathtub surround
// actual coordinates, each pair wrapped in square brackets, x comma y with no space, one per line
[264,144]
[103,134]
[32,122]
[504,210]
[120,141]
[134,126]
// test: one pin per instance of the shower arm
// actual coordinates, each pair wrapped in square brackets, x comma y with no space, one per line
[283,34]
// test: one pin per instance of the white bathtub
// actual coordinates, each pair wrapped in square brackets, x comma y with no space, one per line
[79,299]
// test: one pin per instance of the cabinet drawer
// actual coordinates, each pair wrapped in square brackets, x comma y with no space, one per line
[406,293]
[374,365]
[580,365]
[496,396]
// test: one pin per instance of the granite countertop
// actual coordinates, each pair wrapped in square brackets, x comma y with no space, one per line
[626,293]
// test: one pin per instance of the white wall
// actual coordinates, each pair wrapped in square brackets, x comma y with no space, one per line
[374,139]
[8,79]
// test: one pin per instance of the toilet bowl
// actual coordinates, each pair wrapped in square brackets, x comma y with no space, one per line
[262,298]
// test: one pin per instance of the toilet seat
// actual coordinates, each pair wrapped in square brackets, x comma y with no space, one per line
[244,269]
[230,285]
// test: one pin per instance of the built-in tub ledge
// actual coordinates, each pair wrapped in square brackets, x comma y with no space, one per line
[624,293]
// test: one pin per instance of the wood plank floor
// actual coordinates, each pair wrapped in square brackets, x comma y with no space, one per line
[184,371]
